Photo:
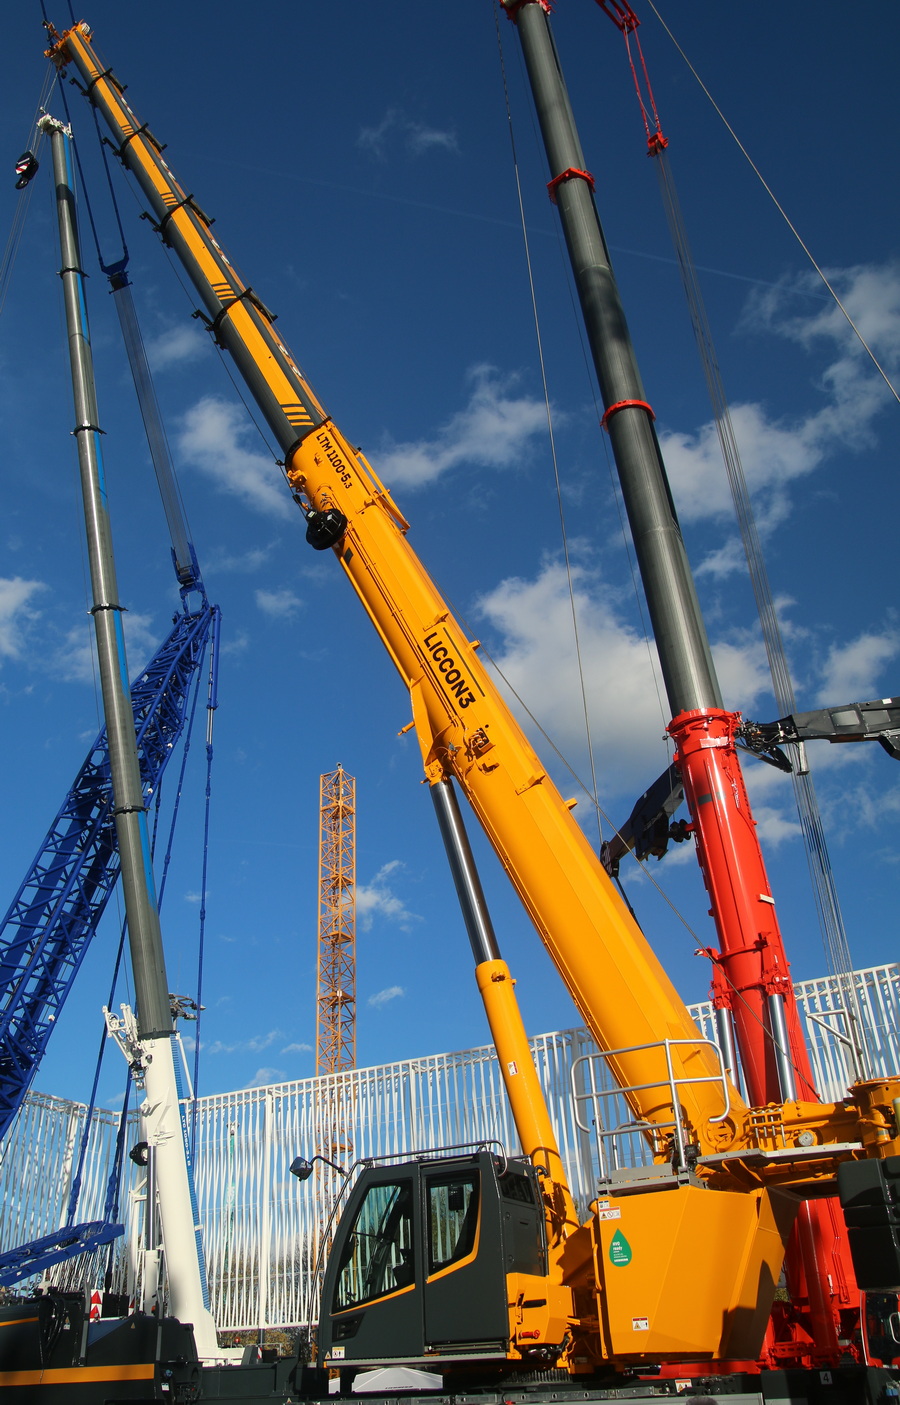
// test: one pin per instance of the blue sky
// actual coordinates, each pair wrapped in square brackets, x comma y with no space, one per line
[358,165]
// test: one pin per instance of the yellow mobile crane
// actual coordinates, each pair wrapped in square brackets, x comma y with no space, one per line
[478,1262]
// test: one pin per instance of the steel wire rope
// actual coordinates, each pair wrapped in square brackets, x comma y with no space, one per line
[132,334]
[591,381]
[75,1189]
[175,509]
[627,544]
[179,790]
[33,143]
[186,748]
[821,874]
[460,615]
[565,762]
[160,453]
[223,360]
[592,790]
[700,950]
[74,504]
[780,208]
[565,266]
[211,705]
[616,498]
[84,186]
[550,426]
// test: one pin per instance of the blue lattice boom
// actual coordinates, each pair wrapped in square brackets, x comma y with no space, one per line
[54,1248]
[53,916]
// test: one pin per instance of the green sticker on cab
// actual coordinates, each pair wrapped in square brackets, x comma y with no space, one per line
[619,1250]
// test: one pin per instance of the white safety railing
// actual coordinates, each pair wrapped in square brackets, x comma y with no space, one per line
[593,1093]
[261,1226]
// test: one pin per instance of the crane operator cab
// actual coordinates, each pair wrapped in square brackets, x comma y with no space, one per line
[441,1262]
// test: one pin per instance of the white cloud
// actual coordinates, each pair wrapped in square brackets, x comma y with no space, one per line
[773,454]
[724,561]
[186,342]
[375,899]
[238,645]
[254,1045]
[776,452]
[869,292]
[243,562]
[851,671]
[216,438]
[537,657]
[279,604]
[74,659]
[626,702]
[872,810]
[264,1076]
[494,430]
[297,1049]
[772,802]
[383,997]
[774,826]
[415,138]
[742,669]
[16,613]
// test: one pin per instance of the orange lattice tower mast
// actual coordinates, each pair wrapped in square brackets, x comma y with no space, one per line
[336,994]
[336,991]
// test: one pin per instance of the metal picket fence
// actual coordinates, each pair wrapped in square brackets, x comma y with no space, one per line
[262,1227]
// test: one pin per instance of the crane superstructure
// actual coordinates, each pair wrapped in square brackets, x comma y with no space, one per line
[607,1294]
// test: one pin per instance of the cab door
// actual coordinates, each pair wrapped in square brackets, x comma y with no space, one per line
[464,1272]
[373,1291]
[881,1326]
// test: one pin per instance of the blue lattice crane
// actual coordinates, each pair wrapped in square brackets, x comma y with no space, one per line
[55,913]
[48,927]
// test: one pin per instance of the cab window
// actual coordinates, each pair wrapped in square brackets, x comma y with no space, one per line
[452,1218]
[377,1257]
[516,1187]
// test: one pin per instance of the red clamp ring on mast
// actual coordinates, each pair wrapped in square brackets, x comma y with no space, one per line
[565,176]
[512,7]
[626,405]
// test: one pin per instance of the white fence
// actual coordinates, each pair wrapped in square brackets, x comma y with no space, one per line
[261,1226]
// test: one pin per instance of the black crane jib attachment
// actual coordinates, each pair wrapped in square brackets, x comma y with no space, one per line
[648,828]
[878,720]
